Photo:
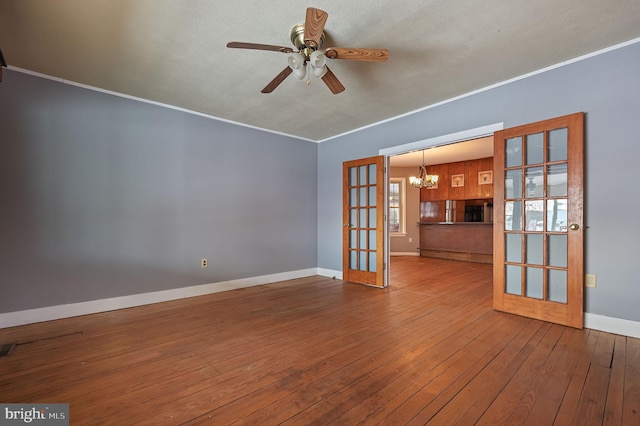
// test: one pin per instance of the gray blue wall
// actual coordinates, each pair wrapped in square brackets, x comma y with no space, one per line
[607,89]
[103,196]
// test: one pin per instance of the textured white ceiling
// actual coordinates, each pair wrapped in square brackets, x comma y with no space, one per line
[459,151]
[174,52]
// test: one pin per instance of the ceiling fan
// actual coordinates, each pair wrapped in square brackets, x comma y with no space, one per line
[308,39]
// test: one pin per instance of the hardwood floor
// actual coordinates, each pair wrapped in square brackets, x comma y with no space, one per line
[429,349]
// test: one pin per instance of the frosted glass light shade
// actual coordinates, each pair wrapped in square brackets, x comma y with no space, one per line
[300,73]
[317,59]
[296,61]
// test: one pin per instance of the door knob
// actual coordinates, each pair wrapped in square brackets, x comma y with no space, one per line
[574,226]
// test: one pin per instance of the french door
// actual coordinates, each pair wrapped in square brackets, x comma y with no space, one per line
[538,223]
[363,221]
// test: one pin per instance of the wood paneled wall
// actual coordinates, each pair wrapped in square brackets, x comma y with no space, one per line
[471,188]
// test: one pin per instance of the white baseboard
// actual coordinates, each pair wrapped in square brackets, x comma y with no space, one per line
[612,325]
[404,253]
[330,273]
[11,319]
[49,313]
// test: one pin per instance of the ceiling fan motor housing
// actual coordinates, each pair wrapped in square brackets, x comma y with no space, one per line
[297,38]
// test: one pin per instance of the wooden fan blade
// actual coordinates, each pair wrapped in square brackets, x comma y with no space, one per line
[332,82]
[276,81]
[357,54]
[313,26]
[256,46]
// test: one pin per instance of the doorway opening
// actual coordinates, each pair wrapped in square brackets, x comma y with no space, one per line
[404,161]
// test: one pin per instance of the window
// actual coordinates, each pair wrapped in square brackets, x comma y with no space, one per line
[396,206]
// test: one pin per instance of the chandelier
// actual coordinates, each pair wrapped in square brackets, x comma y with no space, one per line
[424,179]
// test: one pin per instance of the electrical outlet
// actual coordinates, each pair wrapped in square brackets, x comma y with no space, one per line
[590,280]
[204,263]
[410,239]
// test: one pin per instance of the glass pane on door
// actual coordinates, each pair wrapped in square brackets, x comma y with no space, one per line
[513,184]
[535,182]
[353,197]
[513,216]
[372,261]
[363,261]
[514,152]
[372,240]
[557,248]
[514,248]
[363,239]
[535,249]
[362,223]
[557,286]
[534,283]
[557,180]
[362,173]
[558,140]
[534,215]
[557,215]
[514,280]
[535,148]
[372,196]
[353,176]
[362,197]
